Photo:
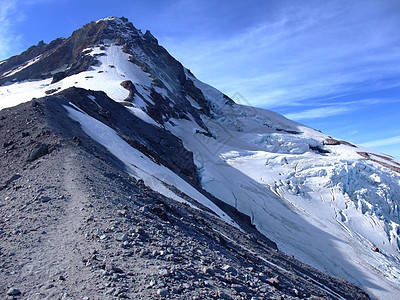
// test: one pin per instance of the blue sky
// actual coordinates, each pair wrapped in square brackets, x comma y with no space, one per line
[332,65]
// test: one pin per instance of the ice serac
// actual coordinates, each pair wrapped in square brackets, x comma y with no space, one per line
[329,203]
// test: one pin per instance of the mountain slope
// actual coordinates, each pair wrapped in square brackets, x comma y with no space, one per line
[323,200]
[76,223]
[326,201]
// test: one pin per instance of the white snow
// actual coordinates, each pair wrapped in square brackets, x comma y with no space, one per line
[17,93]
[107,76]
[145,92]
[327,210]
[161,91]
[93,98]
[193,102]
[142,115]
[94,51]
[106,19]
[60,69]
[384,159]
[139,165]
[21,67]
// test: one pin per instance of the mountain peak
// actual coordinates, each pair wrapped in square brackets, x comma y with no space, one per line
[111,18]
[116,27]
[67,54]
[112,46]
[120,20]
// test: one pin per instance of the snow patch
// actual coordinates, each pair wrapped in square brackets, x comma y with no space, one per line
[17,93]
[193,102]
[20,68]
[139,165]
[93,98]
[113,68]
[107,19]
[142,115]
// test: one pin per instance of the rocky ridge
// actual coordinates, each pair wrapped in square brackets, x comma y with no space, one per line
[75,225]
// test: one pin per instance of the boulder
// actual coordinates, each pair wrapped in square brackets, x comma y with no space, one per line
[39,151]
[127,84]
[13,292]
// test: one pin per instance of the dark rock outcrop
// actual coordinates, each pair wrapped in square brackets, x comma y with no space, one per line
[155,142]
[127,84]
[334,142]
[37,152]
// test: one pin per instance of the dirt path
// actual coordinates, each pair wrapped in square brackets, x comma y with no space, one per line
[54,266]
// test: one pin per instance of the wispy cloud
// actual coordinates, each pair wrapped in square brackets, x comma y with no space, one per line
[311,50]
[12,14]
[8,40]
[382,142]
[316,113]
[330,107]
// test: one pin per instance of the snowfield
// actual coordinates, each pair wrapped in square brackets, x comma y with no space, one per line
[326,204]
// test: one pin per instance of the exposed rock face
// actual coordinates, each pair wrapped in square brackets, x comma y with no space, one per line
[149,37]
[160,144]
[13,62]
[334,142]
[63,53]
[382,160]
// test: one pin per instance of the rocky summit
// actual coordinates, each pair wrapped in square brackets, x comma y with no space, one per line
[124,176]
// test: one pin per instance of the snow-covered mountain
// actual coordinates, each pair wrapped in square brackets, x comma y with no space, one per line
[327,202]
